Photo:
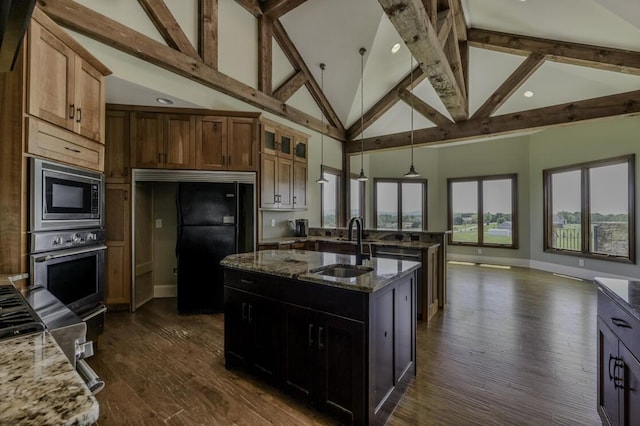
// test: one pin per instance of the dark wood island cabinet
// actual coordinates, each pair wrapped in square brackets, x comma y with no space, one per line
[345,345]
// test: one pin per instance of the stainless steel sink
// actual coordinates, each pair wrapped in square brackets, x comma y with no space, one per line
[342,270]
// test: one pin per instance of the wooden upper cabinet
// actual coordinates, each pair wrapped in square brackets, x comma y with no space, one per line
[117,147]
[300,152]
[64,88]
[285,144]
[269,140]
[300,185]
[162,140]
[225,143]
[285,183]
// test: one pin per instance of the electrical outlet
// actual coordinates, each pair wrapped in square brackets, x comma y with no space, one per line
[158,223]
[580,262]
[479,251]
[273,223]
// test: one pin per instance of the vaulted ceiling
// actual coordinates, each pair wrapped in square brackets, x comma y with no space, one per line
[472,59]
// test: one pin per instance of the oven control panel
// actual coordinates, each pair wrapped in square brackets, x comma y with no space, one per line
[58,240]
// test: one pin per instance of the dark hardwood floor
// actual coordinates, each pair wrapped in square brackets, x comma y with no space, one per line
[512,347]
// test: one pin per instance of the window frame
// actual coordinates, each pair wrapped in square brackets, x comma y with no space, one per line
[362,204]
[339,200]
[585,230]
[400,181]
[480,212]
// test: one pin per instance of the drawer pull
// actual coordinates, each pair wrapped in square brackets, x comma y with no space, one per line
[310,335]
[320,345]
[244,317]
[72,111]
[77,151]
[248,282]
[249,314]
[619,322]
[79,119]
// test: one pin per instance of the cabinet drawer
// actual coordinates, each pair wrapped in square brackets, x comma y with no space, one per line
[54,143]
[625,326]
[262,285]
[332,300]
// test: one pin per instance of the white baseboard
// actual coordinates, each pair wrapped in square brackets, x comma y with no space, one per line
[170,290]
[585,274]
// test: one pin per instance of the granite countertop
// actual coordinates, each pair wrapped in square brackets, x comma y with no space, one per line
[341,240]
[300,264]
[624,292]
[39,386]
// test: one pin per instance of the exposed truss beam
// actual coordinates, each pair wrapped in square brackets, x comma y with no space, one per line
[458,18]
[208,32]
[298,63]
[511,84]
[276,8]
[609,106]
[604,58]
[252,6]
[289,87]
[445,23]
[99,27]
[168,27]
[411,21]
[384,104]
[424,109]
[265,40]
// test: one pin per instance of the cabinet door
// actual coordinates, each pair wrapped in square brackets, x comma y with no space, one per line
[430,278]
[607,391]
[298,354]
[179,141]
[299,185]
[268,180]
[116,168]
[269,143]
[341,360]
[300,149]
[147,136]
[630,393]
[242,146]
[211,143]
[236,328]
[285,183]
[51,78]
[404,320]
[118,242]
[285,145]
[381,342]
[89,100]
[262,315]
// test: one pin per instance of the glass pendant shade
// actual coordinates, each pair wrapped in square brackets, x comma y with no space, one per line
[412,172]
[321,180]
[362,177]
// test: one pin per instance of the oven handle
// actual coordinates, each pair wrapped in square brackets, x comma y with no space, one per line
[95,313]
[70,252]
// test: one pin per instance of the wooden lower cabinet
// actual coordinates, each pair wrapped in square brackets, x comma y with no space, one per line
[351,354]
[618,364]
[118,242]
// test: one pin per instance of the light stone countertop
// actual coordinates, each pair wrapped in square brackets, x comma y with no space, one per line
[624,292]
[300,265]
[39,386]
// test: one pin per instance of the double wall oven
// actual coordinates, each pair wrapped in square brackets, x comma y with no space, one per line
[66,238]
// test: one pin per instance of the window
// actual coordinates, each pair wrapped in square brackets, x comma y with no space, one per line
[356,197]
[590,209]
[330,202]
[482,211]
[400,204]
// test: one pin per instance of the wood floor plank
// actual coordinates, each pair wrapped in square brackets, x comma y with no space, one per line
[513,347]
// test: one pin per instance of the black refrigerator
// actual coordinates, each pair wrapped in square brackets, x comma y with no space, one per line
[214,220]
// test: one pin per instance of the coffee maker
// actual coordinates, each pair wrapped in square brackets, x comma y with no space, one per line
[302,227]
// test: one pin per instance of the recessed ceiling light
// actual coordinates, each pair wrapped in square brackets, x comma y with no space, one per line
[164,101]
[528,94]
[396,47]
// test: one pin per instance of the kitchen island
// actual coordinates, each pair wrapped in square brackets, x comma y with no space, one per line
[339,336]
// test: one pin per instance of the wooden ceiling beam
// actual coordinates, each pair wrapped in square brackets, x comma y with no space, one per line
[412,23]
[277,8]
[298,63]
[168,27]
[604,58]
[511,84]
[622,104]
[265,55]
[289,87]
[424,109]
[459,20]
[445,24]
[385,103]
[208,32]
[431,6]
[252,6]
[79,18]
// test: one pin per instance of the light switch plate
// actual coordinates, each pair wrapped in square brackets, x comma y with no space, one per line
[158,223]
[273,223]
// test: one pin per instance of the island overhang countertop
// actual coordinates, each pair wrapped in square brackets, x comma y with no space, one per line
[303,265]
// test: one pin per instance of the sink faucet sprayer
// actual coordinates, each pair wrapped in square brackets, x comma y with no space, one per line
[360,256]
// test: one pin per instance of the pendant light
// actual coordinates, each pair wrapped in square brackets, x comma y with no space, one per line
[412,171]
[362,177]
[322,180]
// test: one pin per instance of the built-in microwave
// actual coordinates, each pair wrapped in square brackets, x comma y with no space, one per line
[64,197]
